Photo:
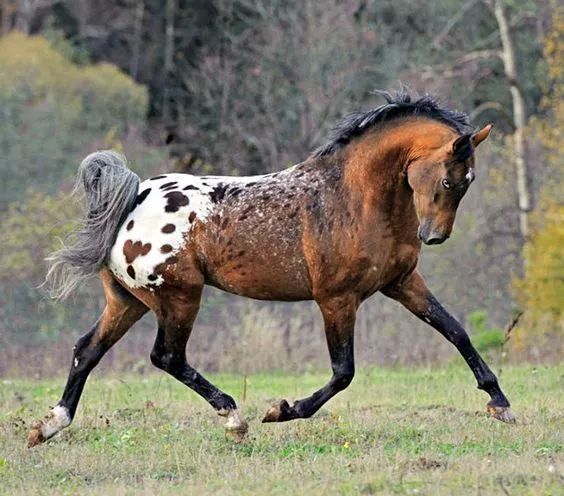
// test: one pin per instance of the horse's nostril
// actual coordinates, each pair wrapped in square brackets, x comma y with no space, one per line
[435,241]
[435,238]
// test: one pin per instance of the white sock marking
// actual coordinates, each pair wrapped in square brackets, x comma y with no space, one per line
[59,419]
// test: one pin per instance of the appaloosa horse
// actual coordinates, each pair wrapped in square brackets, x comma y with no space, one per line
[337,228]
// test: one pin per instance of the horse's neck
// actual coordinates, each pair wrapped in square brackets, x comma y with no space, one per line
[376,169]
[375,176]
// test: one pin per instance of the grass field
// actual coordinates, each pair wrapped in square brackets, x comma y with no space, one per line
[391,432]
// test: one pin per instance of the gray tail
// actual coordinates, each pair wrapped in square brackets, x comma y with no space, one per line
[109,189]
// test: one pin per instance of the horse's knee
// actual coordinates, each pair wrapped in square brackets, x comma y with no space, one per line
[165,360]
[343,379]
[160,359]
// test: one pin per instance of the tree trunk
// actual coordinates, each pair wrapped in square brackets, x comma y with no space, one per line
[6,14]
[83,10]
[23,17]
[168,59]
[137,38]
[519,117]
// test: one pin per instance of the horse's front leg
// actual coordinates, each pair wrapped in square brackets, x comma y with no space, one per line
[339,315]
[416,297]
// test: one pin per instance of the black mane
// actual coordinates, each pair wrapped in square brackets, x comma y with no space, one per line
[398,105]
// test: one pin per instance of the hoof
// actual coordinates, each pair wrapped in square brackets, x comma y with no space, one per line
[280,412]
[502,413]
[238,434]
[35,435]
[236,426]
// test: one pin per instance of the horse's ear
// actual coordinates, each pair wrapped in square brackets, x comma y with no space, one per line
[481,135]
[462,147]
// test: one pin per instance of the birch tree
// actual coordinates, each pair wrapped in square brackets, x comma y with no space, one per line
[519,114]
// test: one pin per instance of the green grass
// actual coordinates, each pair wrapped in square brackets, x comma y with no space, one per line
[391,432]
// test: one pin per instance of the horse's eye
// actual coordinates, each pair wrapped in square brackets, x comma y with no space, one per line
[446,184]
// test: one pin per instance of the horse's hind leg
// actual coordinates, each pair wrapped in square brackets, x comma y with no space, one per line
[176,315]
[121,312]
[339,315]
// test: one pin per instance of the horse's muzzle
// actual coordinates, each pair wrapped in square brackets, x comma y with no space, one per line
[429,236]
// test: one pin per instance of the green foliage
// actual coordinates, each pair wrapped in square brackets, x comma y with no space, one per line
[541,290]
[52,110]
[485,338]
[32,229]
[77,55]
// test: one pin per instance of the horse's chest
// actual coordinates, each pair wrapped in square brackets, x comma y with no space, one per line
[363,270]
[399,260]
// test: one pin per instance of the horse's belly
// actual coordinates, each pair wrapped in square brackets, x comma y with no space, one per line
[262,282]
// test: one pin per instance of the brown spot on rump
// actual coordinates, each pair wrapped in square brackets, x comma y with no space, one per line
[175,200]
[166,248]
[131,271]
[167,185]
[169,228]
[141,197]
[171,260]
[133,250]
[192,216]
[130,225]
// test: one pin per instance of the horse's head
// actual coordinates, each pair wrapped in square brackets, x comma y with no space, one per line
[439,180]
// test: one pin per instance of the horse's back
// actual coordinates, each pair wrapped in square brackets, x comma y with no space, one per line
[241,233]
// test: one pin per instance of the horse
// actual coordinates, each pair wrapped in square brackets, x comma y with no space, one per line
[344,224]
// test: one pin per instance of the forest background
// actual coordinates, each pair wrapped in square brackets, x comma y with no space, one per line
[252,86]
